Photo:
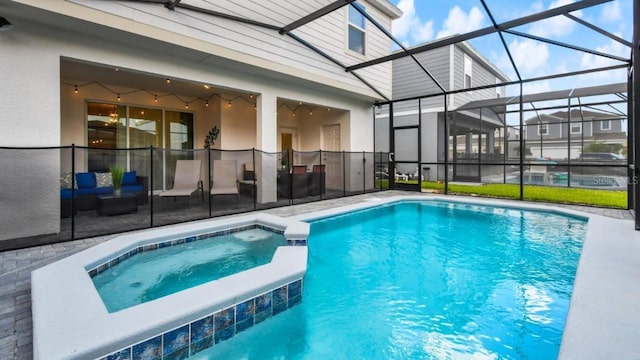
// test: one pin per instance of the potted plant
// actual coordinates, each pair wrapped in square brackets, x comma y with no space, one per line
[117,173]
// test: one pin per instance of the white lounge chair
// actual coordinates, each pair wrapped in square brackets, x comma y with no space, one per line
[186,180]
[225,178]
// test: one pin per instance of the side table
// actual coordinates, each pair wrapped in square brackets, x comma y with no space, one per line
[116,204]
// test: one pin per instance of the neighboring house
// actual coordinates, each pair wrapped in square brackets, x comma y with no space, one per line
[135,74]
[454,67]
[551,135]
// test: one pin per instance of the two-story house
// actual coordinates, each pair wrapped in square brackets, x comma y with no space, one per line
[566,134]
[138,74]
[455,67]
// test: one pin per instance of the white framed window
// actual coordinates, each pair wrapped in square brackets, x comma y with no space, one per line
[576,128]
[605,125]
[543,129]
[468,71]
[356,34]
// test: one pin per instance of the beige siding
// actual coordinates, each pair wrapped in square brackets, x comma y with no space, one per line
[266,48]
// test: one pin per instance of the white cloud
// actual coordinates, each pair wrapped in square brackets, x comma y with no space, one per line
[459,22]
[590,61]
[557,25]
[531,58]
[410,28]
[611,12]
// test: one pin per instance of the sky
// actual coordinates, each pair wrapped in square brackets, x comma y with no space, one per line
[427,20]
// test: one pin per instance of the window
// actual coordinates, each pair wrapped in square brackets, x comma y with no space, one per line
[576,128]
[468,65]
[356,29]
[605,125]
[543,129]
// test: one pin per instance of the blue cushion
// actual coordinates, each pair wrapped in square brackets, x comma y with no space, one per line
[86,180]
[65,194]
[129,178]
[132,188]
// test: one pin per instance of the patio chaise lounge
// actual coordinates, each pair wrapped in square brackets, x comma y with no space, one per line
[186,180]
[225,178]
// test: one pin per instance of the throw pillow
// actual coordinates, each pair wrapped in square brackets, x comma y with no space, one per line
[65,181]
[129,178]
[104,180]
[86,180]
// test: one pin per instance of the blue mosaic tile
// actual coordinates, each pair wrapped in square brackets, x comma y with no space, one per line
[224,334]
[302,242]
[120,355]
[179,354]
[263,302]
[279,295]
[202,236]
[206,343]
[93,272]
[224,319]
[277,309]
[244,325]
[134,251]
[102,268]
[294,300]
[164,244]
[149,247]
[262,316]
[124,256]
[190,239]
[114,262]
[175,340]
[202,328]
[295,288]
[148,350]
[245,310]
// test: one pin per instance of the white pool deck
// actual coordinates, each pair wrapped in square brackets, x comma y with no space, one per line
[604,313]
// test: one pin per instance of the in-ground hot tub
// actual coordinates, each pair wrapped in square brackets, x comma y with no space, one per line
[70,319]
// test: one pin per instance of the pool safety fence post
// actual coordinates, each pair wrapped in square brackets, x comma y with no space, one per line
[630,154]
[522,144]
[73,192]
[208,180]
[322,178]
[446,146]
[344,173]
[151,186]
[364,171]
[635,76]
[255,185]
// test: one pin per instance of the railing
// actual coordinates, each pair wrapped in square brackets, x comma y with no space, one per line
[53,195]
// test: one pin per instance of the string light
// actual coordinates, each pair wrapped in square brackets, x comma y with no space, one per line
[310,112]
[168,81]
[76,89]
[186,105]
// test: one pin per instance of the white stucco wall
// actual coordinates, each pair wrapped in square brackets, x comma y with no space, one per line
[42,116]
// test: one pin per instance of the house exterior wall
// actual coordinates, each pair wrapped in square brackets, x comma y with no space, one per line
[410,80]
[264,47]
[481,75]
[31,84]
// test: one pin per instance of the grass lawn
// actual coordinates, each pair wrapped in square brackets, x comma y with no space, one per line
[593,197]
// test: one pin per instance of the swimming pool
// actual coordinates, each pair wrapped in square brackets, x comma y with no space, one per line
[427,280]
[165,270]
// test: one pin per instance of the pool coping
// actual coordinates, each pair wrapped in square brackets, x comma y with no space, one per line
[73,322]
[604,310]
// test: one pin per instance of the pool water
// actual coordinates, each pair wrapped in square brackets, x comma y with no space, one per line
[151,275]
[426,281]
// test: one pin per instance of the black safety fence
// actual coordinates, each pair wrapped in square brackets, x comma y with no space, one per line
[59,194]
